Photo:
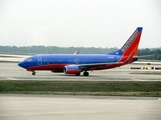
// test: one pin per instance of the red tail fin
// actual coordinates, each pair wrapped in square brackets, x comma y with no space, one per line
[131,45]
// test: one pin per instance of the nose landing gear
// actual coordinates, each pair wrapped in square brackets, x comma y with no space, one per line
[33,73]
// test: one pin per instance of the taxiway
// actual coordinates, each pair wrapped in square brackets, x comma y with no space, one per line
[11,71]
[51,107]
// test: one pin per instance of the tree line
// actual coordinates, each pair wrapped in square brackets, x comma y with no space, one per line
[53,50]
[155,52]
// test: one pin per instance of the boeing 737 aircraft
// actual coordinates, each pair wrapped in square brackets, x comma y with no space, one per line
[77,63]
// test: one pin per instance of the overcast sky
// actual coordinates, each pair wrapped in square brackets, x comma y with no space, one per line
[79,23]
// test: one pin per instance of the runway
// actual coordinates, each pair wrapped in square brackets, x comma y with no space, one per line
[11,71]
[40,107]
[51,107]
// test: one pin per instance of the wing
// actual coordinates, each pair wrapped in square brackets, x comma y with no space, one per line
[86,67]
[95,66]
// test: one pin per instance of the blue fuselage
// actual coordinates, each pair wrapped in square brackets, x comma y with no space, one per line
[67,59]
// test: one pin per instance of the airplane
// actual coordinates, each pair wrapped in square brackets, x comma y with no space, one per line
[77,63]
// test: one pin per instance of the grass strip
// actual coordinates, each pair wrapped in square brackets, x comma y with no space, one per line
[101,88]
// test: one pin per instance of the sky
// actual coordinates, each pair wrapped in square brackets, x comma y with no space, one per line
[79,23]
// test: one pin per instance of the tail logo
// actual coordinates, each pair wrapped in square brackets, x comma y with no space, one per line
[128,43]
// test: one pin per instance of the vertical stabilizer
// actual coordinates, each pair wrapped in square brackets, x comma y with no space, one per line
[131,45]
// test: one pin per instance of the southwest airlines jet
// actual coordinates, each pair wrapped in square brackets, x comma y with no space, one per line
[77,63]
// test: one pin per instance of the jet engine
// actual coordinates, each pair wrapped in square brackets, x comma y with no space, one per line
[72,70]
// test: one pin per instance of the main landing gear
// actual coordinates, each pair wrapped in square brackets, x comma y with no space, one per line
[86,73]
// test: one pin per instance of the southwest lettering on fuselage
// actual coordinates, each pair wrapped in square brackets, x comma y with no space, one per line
[77,63]
[128,43]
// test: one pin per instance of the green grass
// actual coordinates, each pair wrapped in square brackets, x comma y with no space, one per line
[112,88]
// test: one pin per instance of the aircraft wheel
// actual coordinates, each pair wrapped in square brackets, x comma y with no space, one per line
[86,73]
[77,74]
[33,73]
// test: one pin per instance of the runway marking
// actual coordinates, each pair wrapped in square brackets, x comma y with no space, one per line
[11,78]
[137,79]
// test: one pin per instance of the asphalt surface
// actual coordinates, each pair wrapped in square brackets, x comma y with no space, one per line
[51,107]
[11,71]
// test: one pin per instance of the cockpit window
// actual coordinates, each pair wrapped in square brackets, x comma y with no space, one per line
[28,59]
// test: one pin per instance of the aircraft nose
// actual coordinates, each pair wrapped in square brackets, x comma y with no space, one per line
[22,64]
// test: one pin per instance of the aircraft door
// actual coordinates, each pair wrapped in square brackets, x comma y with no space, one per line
[39,60]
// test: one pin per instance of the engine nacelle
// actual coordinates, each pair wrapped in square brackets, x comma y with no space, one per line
[72,70]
